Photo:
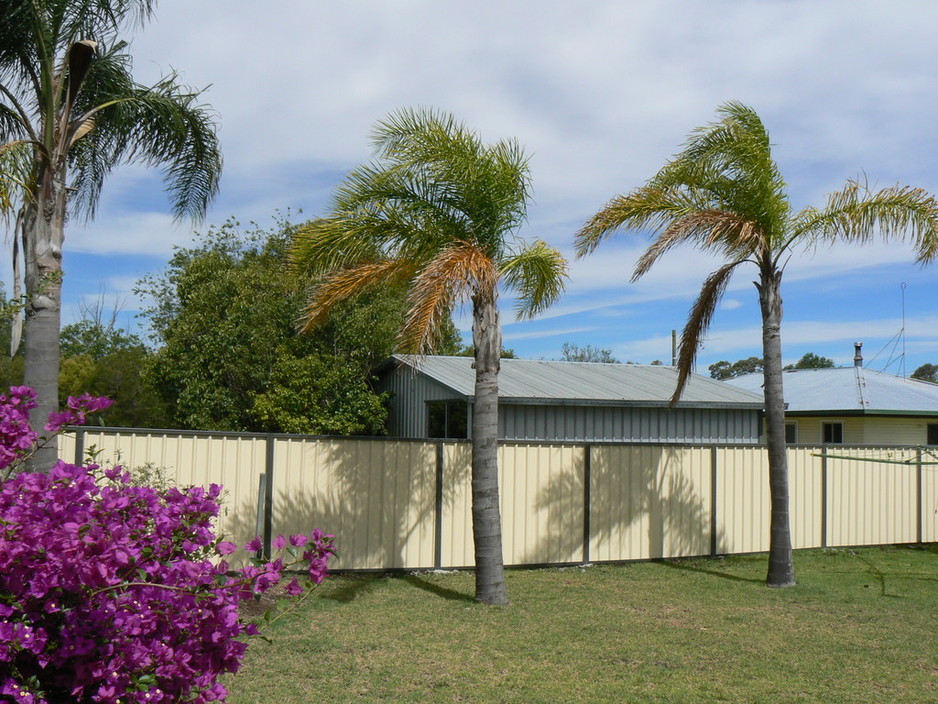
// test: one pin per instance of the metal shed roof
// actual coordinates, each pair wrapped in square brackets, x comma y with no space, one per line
[849,390]
[545,381]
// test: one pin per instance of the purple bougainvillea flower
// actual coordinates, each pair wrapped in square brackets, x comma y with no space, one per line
[107,585]
[279,542]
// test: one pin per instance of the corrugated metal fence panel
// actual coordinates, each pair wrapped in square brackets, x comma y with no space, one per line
[541,503]
[649,502]
[743,510]
[376,497]
[871,503]
[186,460]
[930,497]
[805,497]
[67,447]
[456,540]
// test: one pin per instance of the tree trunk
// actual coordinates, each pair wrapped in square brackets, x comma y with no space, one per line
[781,571]
[43,232]
[486,518]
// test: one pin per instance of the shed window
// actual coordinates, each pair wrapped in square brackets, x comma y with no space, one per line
[447,419]
[933,433]
[791,432]
[833,433]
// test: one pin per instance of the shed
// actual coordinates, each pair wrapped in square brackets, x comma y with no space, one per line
[567,401]
[854,405]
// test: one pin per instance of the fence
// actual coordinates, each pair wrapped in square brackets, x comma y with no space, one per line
[404,504]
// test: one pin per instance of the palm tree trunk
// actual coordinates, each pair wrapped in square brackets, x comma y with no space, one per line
[43,230]
[486,518]
[781,571]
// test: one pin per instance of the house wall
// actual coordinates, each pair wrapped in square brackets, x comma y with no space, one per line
[409,394]
[868,430]
[627,424]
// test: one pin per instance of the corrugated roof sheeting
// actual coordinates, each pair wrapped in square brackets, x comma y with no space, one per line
[533,381]
[848,389]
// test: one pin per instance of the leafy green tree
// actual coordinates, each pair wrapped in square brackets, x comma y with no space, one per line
[723,193]
[812,361]
[69,112]
[570,352]
[436,210]
[927,372]
[223,317]
[724,370]
[470,351]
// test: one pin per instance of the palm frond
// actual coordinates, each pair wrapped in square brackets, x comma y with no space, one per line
[855,214]
[348,283]
[162,125]
[457,273]
[698,322]
[539,273]
[645,207]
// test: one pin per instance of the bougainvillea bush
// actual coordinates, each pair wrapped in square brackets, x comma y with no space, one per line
[111,592]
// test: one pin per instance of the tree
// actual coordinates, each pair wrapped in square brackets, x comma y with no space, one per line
[223,318]
[927,372]
[724,194]
[812,361]
[69,107]
[436,210]
[570,352]
[724,370]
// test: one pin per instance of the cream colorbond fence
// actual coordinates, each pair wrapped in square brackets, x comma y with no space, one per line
[402,504]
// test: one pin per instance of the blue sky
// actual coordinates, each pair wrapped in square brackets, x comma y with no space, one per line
[600,94]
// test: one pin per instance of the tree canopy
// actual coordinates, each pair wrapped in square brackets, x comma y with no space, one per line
[927,372]
[223,317]
[572,352]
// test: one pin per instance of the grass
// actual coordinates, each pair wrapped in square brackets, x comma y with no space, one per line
[861,626]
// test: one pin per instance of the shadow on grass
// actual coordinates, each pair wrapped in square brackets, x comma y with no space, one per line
[436,589]
[352,587]
[696,566]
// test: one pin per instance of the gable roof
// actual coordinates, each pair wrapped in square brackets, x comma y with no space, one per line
[538,381]
[849,390]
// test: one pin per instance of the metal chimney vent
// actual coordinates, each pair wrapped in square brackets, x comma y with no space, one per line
[857,354]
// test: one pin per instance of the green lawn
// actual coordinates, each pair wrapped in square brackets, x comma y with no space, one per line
[861,626]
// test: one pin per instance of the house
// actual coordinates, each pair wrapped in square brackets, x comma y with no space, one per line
[567,401]
[854,406]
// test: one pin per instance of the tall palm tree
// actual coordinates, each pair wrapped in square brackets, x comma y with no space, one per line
[68,98]
[724,194]
[437,209]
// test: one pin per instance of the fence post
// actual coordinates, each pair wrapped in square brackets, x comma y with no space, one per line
[824,497]
[713,501]
[919,512]
[269,495]
[438,502]
[79,446]
[261,503]
[587,500]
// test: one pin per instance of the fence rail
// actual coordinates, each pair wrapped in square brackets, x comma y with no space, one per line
[405,504]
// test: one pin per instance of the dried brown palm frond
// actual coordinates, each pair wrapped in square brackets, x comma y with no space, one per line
[345,284]
[698,322]
[457,273]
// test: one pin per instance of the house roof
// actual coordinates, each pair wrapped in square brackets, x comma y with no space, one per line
[532,381]
[849,390]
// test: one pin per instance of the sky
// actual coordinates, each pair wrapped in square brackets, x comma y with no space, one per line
[600,94]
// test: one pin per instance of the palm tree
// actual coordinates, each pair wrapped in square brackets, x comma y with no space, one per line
[724,194]
[436,211]
[69,101]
